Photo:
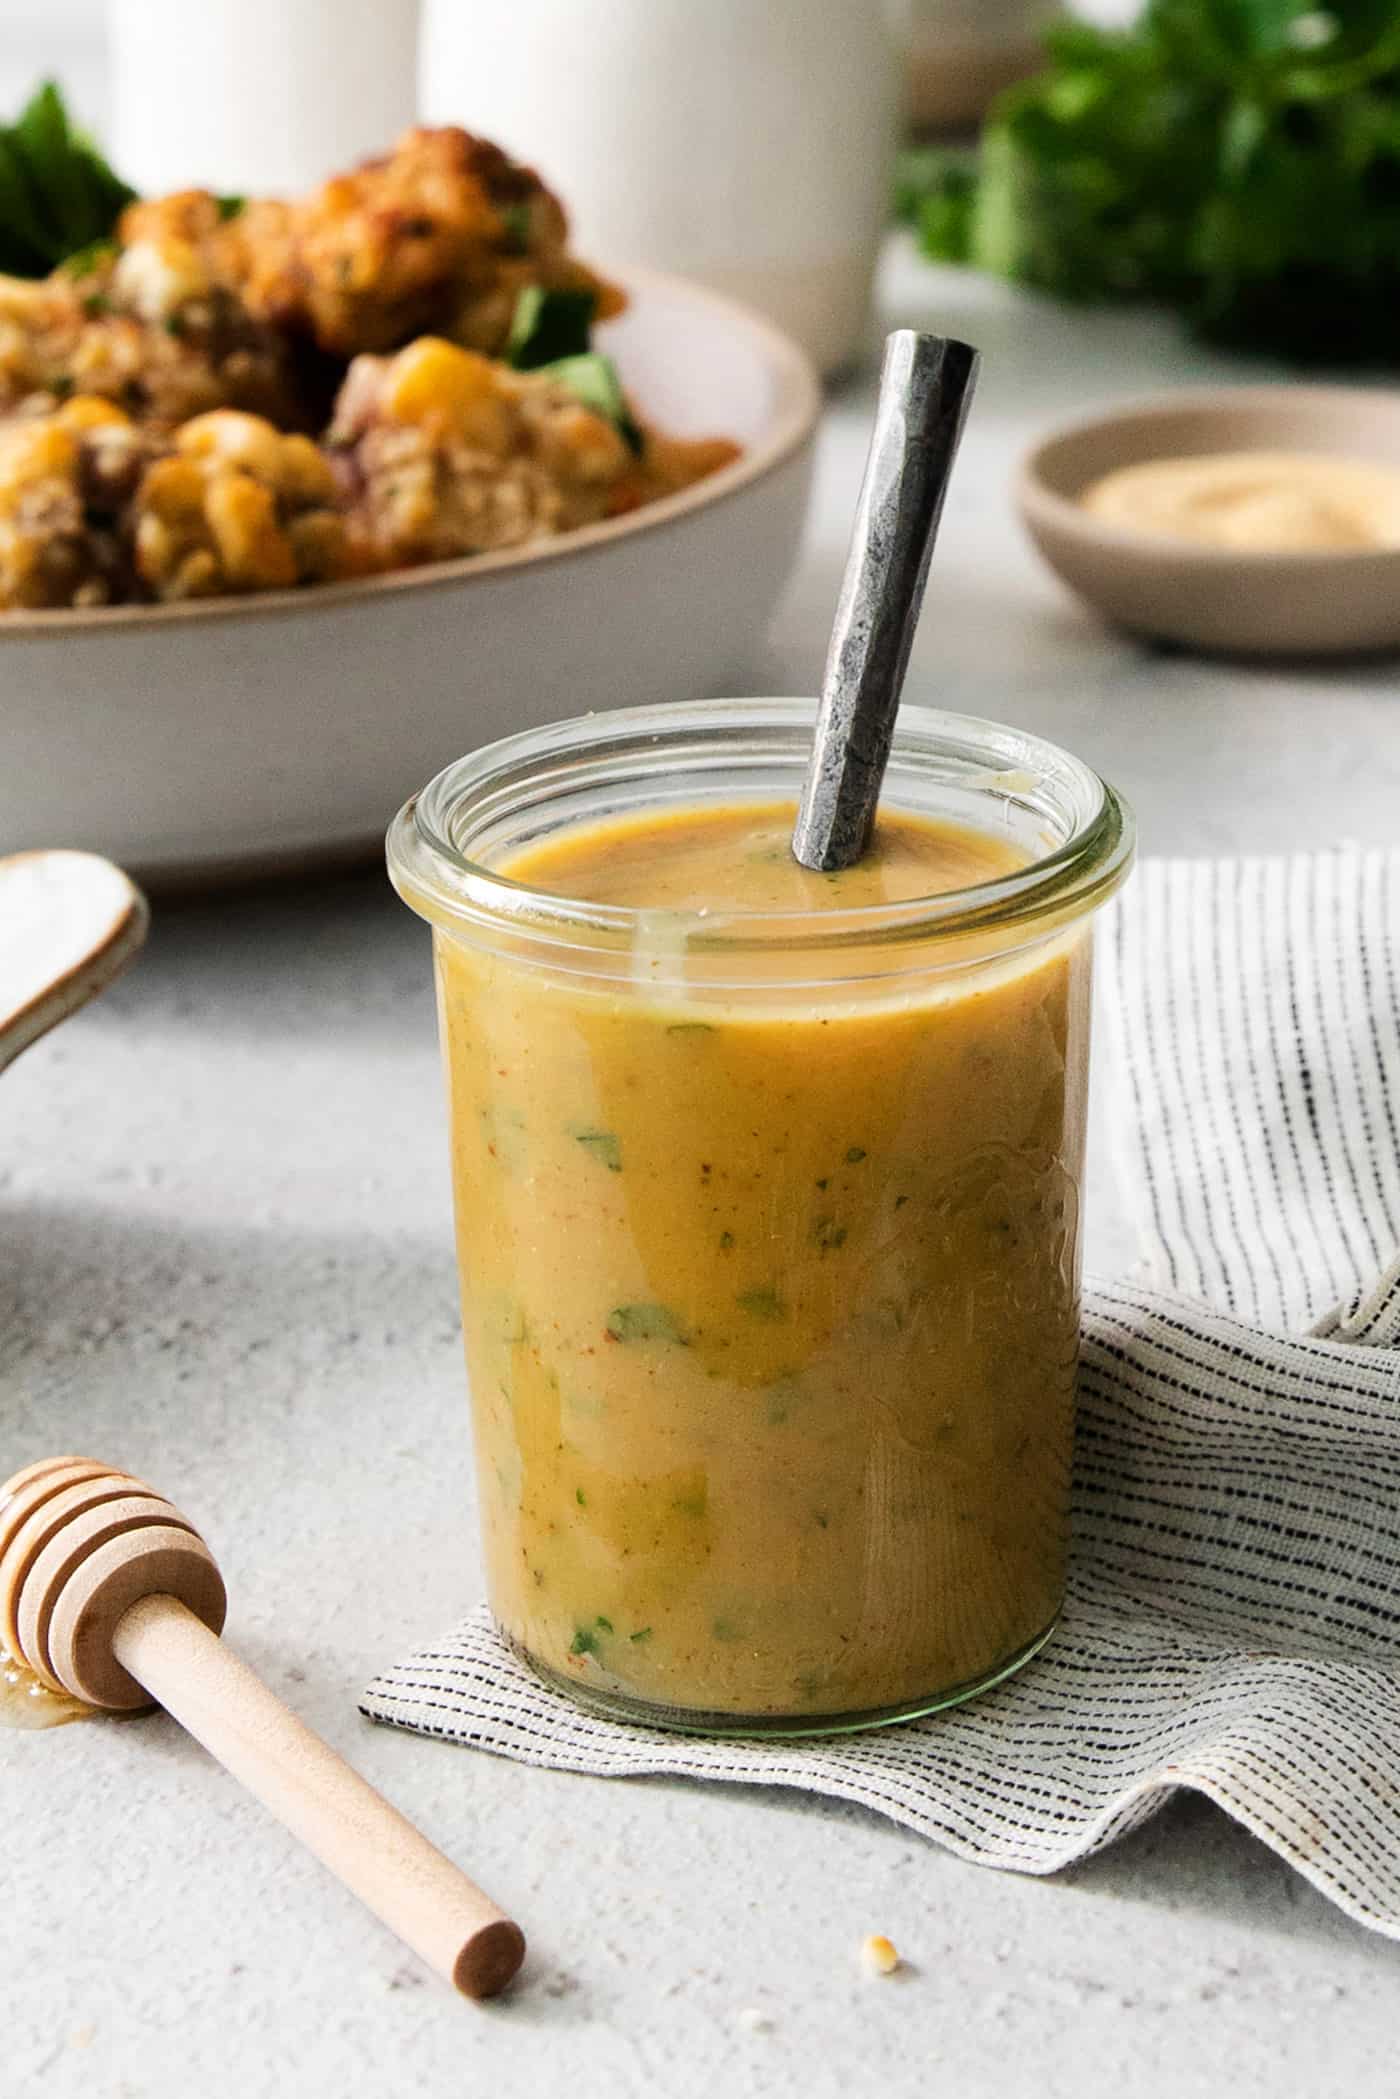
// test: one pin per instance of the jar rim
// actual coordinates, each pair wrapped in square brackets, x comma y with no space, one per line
[444,883]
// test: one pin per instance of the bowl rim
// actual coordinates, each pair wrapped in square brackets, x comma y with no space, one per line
[1042,506]
[798,411]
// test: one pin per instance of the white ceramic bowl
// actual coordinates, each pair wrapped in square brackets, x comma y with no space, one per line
[209,740]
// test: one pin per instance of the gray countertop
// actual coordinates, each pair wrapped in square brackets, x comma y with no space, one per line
[227,1264]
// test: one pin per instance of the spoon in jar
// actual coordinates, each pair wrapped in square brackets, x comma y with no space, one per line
[926,388]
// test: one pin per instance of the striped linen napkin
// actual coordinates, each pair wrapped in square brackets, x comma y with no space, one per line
[1233,1619]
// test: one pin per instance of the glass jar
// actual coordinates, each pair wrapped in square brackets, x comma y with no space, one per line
[768,1225]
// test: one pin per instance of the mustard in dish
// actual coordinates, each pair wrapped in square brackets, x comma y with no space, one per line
[1256,502]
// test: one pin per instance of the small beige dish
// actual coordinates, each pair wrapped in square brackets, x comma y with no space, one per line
[1206,597]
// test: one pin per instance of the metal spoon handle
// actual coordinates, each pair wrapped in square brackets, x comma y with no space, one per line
[925,390]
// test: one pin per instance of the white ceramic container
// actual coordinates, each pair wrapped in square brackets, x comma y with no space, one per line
[747,143]
[203,740]
[257,96]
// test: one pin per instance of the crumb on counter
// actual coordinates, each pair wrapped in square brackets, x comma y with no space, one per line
[878,1955]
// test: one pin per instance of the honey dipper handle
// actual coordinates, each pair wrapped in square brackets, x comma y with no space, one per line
[352,1829]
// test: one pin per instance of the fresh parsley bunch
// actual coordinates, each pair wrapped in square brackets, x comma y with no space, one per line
[1238,159]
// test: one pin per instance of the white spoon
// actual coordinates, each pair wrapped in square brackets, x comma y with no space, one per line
[69,925]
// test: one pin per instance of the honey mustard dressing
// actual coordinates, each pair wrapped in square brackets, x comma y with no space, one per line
[771,1304]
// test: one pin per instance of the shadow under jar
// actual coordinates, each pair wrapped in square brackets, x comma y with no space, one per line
[768,1218]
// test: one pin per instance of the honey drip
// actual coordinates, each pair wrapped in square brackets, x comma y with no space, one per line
[26,1702]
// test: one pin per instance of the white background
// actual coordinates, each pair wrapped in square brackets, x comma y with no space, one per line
[65,37]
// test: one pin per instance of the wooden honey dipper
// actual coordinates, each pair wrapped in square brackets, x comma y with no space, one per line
[109,1593]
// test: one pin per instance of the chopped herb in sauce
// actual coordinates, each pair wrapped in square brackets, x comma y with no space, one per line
[855,1155]
[691,1504]
[580,1497]
[726,1242]
[586,1637]
[691,1027]
[604,1625]
[605,1147]
[726,1629]
[646,1323]
[761,1304]
[643,1633]
[828,1234]
[503,1134]
[505,1318]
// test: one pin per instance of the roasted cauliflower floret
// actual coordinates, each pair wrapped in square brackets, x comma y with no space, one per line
[238,506]
[145,332]
[164,374]
[442,234]
[37,322]
[67,482]
[445,452]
